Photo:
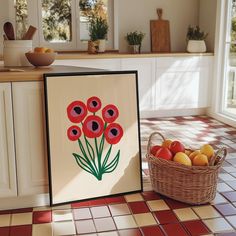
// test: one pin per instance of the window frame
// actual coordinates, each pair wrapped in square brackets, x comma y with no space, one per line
[35,19]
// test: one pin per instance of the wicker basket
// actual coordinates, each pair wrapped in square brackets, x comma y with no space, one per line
[189,184]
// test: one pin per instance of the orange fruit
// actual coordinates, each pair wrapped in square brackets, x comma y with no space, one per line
[166,143]
[193,154]
[182,158]
[200,160]
[49,50]
[40,49]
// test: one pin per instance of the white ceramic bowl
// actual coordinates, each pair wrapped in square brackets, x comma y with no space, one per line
[41,59]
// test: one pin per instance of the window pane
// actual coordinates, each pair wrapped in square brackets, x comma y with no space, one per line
[88,7]
[57,23]
[21,18]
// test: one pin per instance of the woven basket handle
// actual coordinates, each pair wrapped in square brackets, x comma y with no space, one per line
[150,140]
[219,157]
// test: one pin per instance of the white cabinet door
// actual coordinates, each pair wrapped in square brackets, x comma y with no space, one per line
[146,77]
[30,138]
[182,83]
[7,152]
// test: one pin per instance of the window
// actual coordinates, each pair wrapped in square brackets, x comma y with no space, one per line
[62,24]
[229,98]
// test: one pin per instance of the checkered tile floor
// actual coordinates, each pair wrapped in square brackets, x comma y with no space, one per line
[146,213]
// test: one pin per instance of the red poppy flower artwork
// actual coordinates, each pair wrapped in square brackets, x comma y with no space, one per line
[91,133]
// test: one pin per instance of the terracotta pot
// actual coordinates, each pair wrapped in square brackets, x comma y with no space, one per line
[196,46]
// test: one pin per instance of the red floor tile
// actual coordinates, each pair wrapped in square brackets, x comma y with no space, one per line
[138,207]
[130,232]
[40,217]
[80,204]
[22,210]
[4,231]
[174,229]
[97,202]
[23,230]
[196,227]
[165,217]
[150,195]
[113,200]
[173,204]
[152,231]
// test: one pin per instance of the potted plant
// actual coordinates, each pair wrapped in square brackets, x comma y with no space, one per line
[98,30]
[134,40]
[196,39]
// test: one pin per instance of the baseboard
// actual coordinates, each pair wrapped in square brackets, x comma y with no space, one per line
[225,119]
[24,201]
[173,112]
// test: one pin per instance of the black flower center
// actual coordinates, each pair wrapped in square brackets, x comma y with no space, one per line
[110,112]
[94,103]
[77,110]
[114,132]
[94,125]
[74,131]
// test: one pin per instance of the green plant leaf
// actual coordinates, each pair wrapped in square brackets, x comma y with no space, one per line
[106,157]
[80,161]
[113,164]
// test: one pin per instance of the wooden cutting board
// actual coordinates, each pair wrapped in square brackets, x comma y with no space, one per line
[160,34]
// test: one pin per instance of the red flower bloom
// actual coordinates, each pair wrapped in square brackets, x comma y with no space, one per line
[76,111]
[110,113]
[94,104]
[74,133]
[93,126]
[113,133]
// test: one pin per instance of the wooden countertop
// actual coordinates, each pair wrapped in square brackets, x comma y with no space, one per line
[111,55]
[36,73]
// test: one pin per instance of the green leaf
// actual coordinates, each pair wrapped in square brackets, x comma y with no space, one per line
[113,164]
[80,161]
[106,157]
[90,149]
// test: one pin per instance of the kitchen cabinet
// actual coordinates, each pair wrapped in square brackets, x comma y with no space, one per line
[30,137]
[7,152]
[182,83]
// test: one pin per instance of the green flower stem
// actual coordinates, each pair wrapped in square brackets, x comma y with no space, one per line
[101,146]
[99,158]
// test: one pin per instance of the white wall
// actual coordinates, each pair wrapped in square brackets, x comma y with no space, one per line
[136,15]
[207,21]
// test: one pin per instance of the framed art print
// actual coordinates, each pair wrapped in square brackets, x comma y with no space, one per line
[93,135]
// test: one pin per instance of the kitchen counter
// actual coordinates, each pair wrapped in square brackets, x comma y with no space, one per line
[110,55]
[35,73]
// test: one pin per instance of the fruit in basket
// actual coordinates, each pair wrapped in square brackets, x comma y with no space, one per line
[177,146]
[182,158]
[193,154]
[166,143]
[164,153]
[188,152]
[208,150]
[200,160]
[154,149]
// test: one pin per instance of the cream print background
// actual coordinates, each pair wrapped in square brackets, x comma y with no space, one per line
[69,181]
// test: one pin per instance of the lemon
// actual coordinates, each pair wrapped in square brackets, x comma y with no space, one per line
[208,150]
